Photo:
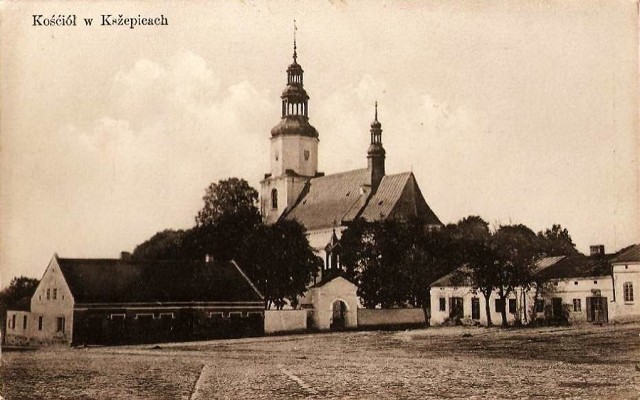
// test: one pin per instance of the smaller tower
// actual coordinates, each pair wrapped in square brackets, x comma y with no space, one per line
[376,153]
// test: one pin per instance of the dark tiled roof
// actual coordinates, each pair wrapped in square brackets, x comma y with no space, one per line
[398,196]
[630,254]
[577,266]
[333,199]
[457,278]
[117,281]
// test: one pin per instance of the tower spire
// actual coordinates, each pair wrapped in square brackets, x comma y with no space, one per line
[376,114]
[376,153]
[295,54]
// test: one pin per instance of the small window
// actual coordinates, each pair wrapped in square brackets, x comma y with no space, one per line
[512,306]
[48,294]
[60,324]
[443,304]
[577,305]
[40,323]
[499,305]
[628,291]
[55,294]
[595,282]
[539,305]
[12,322]
[575,282]
[24,322]
[274,198]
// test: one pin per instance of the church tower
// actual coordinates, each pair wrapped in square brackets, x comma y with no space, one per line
[376,153]
[294,147]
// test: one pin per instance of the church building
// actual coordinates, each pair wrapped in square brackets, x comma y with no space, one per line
[294,189]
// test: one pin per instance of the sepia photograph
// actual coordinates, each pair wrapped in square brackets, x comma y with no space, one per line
[319,199]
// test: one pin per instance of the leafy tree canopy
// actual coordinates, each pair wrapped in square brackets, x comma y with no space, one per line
[557,241]
[18,292]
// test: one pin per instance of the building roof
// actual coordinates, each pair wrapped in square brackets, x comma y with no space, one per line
[459,277]
[118,281]
[398,196]
[629,254]
[577,266]
[334,199]
[557,267]
[331,199]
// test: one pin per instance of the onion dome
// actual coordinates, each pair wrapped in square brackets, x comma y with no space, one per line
[295,103]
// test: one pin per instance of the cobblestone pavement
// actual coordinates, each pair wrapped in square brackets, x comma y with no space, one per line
[579,362]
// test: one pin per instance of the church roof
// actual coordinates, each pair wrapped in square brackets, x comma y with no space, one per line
[334,199]
[331,199]
[398,196]
[119,281]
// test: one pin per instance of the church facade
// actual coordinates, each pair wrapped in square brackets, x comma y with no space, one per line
[294,189]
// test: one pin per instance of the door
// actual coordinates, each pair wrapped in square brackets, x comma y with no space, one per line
[556,306]
[456,310]
[597,309]
[338,315]
[475,308]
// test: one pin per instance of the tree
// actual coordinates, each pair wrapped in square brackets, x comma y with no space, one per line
[19,289]
[502,261]
[280,261]
[166,245]
[394,262]
[557,241]
[229,215]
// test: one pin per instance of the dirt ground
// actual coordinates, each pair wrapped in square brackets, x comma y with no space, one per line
[450,363]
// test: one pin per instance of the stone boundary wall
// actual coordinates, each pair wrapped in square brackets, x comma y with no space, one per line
[390,318]
[283,321]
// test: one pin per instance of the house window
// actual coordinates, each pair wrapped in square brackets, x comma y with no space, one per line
[48,294]
[12,322]
[24,322]
[499,305]
[577,306]
[274,198]
[539,305]
[628,291]
[60,324]
[512,306]
[55,294]
[40,323]
[443,304]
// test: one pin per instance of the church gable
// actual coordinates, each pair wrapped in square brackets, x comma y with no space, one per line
[399,197]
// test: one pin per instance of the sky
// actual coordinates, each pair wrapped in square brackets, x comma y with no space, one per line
[520,112]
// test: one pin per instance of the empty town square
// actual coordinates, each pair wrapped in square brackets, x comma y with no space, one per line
[596,362]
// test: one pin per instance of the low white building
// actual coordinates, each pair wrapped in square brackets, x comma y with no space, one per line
[453,298]
[626,278]
[597,288]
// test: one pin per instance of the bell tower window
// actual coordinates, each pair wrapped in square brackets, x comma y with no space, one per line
[274,198]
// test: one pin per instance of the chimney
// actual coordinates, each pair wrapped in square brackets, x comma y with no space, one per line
[125,256]
[596,250]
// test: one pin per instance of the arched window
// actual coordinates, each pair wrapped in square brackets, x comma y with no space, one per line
[628,291]
[274,198]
